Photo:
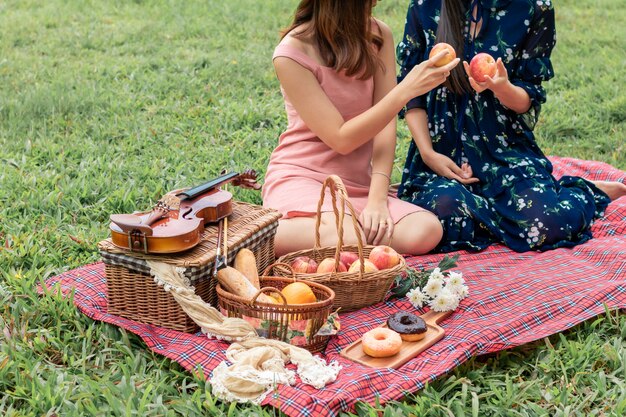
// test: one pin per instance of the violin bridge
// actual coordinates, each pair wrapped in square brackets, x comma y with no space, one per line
[170,202]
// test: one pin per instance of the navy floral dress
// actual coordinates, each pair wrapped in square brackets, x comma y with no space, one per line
[517,201]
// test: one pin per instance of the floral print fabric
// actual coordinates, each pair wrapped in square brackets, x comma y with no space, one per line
[517,201]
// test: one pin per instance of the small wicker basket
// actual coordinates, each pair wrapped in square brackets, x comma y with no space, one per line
[293,323]
[353,290]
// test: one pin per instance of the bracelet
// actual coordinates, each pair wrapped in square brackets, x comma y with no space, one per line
[383,174]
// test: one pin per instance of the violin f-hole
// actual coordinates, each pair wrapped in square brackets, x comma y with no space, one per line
[187,213]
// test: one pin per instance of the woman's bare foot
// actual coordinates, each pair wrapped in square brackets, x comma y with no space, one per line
[613,189]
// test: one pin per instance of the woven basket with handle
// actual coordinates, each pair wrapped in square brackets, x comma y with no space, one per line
[292,323]
[353,290]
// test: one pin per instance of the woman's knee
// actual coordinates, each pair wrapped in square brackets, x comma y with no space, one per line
[417,233]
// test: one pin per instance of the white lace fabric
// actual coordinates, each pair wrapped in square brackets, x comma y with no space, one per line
[257,364]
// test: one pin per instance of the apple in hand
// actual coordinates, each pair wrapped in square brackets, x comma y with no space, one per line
[348,258]
[442,46]
[482,66]
[368,266]
[328,265]
[384,257]
[304,265]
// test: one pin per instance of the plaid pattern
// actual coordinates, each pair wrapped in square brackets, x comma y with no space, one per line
[192,273]
[515,298]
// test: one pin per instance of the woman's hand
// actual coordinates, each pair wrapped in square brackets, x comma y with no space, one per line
[376,222]
[426,76]
[494,84]
[445,167]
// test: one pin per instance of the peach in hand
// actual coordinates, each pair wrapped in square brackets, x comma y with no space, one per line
[442,46]
[482,66]
[384,257]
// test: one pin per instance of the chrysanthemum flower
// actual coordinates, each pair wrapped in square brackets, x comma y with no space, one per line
[417,297]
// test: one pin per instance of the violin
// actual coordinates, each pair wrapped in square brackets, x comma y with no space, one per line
[177,221]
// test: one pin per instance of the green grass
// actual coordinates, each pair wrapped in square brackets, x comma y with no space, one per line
[105,106]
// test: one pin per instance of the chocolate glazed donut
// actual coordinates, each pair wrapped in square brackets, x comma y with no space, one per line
[411,327]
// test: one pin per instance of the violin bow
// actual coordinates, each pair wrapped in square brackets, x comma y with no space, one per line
[219,258]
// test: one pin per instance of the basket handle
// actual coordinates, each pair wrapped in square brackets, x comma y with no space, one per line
[269,268]
[335,186]
[266,289]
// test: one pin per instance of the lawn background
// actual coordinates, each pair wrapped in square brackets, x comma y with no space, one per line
[107,105]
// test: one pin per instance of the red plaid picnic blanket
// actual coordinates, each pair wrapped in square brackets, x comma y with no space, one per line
[515,298]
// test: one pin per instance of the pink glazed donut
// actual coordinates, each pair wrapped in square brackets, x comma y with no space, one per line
[381,342]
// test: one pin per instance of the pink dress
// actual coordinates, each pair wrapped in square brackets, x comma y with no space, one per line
[302,161]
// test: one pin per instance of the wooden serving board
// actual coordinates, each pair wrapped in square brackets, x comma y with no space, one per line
[408,350]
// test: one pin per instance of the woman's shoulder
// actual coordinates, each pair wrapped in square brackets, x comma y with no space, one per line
[297,39]
[293,43]
[381,28]
[297,50]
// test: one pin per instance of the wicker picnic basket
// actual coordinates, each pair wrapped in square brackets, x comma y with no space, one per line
[353,290]
[293,323]
[133,294]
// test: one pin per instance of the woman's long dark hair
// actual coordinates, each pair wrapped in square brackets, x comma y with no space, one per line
[342,32]
[450,30]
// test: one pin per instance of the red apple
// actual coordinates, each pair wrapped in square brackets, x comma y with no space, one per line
[348,258]
[328,265]
[367,264]
[384,257]
[304,265]
[481,66]
[442,46]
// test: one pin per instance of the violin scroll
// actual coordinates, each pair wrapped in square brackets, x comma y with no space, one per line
[247,180]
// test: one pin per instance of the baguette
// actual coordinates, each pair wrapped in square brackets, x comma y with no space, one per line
[245,262]
[235,282]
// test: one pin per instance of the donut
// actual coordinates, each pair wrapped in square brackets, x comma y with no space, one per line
[411,327]
[381,342]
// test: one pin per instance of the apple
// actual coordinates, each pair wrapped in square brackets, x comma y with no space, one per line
[384,257]
[304,265]
[442,46]
[348,258]
[481,66]
[367,264]
[328,265]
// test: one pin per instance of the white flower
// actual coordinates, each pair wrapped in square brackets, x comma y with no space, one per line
[436,274]
[455,279]
[417,297]
[445,301]
[461,291]
[433,287]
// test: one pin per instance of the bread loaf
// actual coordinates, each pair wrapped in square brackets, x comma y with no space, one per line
[245,262]
[234,282]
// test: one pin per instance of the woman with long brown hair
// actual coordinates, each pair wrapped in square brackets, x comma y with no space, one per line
[474,161]
[336,68]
